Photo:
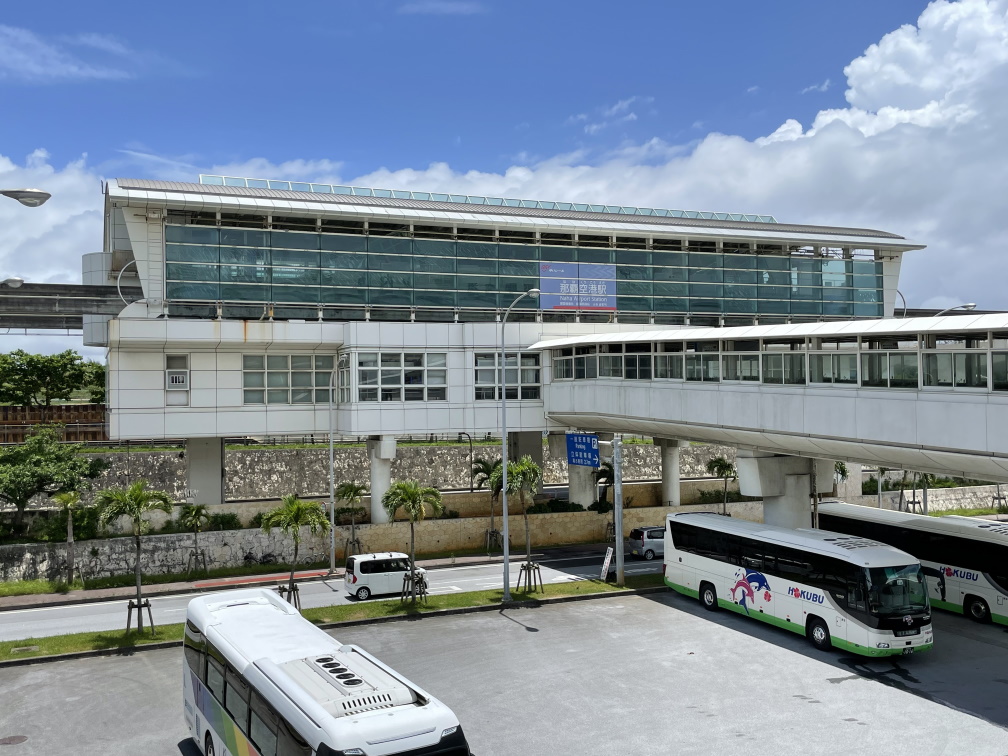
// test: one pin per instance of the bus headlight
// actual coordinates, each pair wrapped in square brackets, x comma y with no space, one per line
[449,731]
[882,645]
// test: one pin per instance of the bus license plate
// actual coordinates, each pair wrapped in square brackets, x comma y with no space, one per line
[907,651]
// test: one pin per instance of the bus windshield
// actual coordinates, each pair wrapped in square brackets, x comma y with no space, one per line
[896,590]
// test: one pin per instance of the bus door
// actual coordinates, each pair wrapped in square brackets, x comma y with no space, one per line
[935,579]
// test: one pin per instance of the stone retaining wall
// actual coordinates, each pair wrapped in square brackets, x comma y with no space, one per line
[168,553]
[939,499]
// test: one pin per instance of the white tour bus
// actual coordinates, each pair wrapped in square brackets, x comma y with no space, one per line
[260,680]
[850,593]
[965,559]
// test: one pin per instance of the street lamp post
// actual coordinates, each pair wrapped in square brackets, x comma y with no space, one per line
[332,481]
[27,197]
[460,434]
[967,306]
[504,449]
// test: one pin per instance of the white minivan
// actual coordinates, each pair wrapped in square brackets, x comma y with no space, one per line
[374,574]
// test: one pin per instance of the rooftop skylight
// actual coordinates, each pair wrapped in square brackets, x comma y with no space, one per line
[468,199]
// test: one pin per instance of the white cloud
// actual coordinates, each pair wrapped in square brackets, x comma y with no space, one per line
[753,89]
[443,8]
[26,56]
[619,112]
[817,87]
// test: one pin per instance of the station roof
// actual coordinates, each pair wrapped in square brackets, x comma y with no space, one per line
[946,324]
[459,208]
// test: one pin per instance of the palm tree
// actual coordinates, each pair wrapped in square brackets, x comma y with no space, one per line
[523,477]
[604,476]
[194,517]
[352,494]
[413,499]
[135,503]
[292,515]
[719,467]
[69,501]
[482,470]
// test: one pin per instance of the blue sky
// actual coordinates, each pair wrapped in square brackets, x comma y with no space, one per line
[886,115]
[371,84]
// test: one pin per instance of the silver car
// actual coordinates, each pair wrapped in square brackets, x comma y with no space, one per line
[647,542]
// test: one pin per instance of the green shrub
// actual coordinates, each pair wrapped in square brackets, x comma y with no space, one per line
[85,525]
[449,514]
[716,497]
[552,506]
[869,487]
[343,514]
[256,521]
[224,521]
[601,507]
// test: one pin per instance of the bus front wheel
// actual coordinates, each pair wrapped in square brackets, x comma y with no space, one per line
[708,596]
[977,609]
[208,747]
[818,633]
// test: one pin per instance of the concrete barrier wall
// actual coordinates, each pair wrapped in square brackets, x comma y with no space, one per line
[939,499]
[168,553]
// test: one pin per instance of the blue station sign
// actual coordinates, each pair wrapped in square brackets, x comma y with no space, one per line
[582,449]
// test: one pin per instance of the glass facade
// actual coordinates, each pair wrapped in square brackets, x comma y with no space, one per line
[207,264]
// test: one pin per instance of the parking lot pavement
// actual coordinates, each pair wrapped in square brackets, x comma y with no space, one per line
[647,675]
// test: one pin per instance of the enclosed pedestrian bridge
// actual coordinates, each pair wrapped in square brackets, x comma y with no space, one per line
[927,394]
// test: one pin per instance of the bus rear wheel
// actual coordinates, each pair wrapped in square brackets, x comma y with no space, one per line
[818,633]
[208,745]
[977,609]
[708,596]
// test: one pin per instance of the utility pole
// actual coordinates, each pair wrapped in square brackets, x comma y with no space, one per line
[617,457]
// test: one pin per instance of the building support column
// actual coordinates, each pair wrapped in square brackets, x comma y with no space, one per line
[785,485]
[205,470]
[670,480]
[581,485]
[381,452]
[530,443]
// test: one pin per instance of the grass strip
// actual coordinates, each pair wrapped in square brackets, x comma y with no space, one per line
[115,640]
[964,511]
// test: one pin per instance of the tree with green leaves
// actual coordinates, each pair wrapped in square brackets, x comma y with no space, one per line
[194,518]
[68,502]
[414,500]
[292,515]
[94,381]
[353,494]
[42,464]
[523,478]
[37,380]
[135,503]
[719,467]
[483,469]
[604,476]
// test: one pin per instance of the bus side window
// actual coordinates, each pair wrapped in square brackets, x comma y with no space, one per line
[236,699]
[289,743]
[194,653]
[262,726]
[856,596]
[215,678]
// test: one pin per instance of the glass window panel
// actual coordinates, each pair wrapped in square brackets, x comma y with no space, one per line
[845,368]
[437,394]
[435,281]
[253,362]
[635,288]
[344,260]
[413,359]
[391,394]
[437,359]
[343,243]
[558,254]
[794,369]
[771,306]
[395,245]
[845,309]
[255,397]
[437,378]
[277,362]
[740,305]
[434,264]
[301,379]
[635,304]
[486,250]
[729,367]
[202,291]
[806,308]
[391,359]
[749,367]
[475,299]
[476,266]
[478,283]
[596,255]
[431,298]
[875,369]
[999,371]
[254,380]
[970,370]
[739,262]
[344,296]
[244,293]
[670,274]
[367,378]
[276,380]
[773,368]
[694,367]
[391,377]
[191,253]
[518,252]
[413,377]
[302,396]
[367,395]
[633,273]
[518,268]
[245,274]
[389,262]
[668,304]
[903,370]
[192,234]
[277,396]
[344,278]
[820,368]
[706,275]
[322,396]
[296,294]
[706,290]
[434,247]
[244,237]
[414,394]
[740,276]
[705,261]
[290,240]
[301,362]
[244,256]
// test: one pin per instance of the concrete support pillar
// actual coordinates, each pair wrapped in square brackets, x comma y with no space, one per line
[670,493]
[205,470]
[530,443]
[852,486]
[784,483]
[581,485]
[381,452]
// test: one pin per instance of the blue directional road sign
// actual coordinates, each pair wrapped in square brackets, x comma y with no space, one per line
[582,449]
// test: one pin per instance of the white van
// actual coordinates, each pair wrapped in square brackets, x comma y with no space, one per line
[374,574]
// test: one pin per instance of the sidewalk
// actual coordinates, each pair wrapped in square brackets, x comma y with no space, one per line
[37,601]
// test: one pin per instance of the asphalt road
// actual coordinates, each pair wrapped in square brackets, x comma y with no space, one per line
[626,674]
[111,615]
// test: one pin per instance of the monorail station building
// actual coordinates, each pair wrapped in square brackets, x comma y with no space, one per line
[260,294]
